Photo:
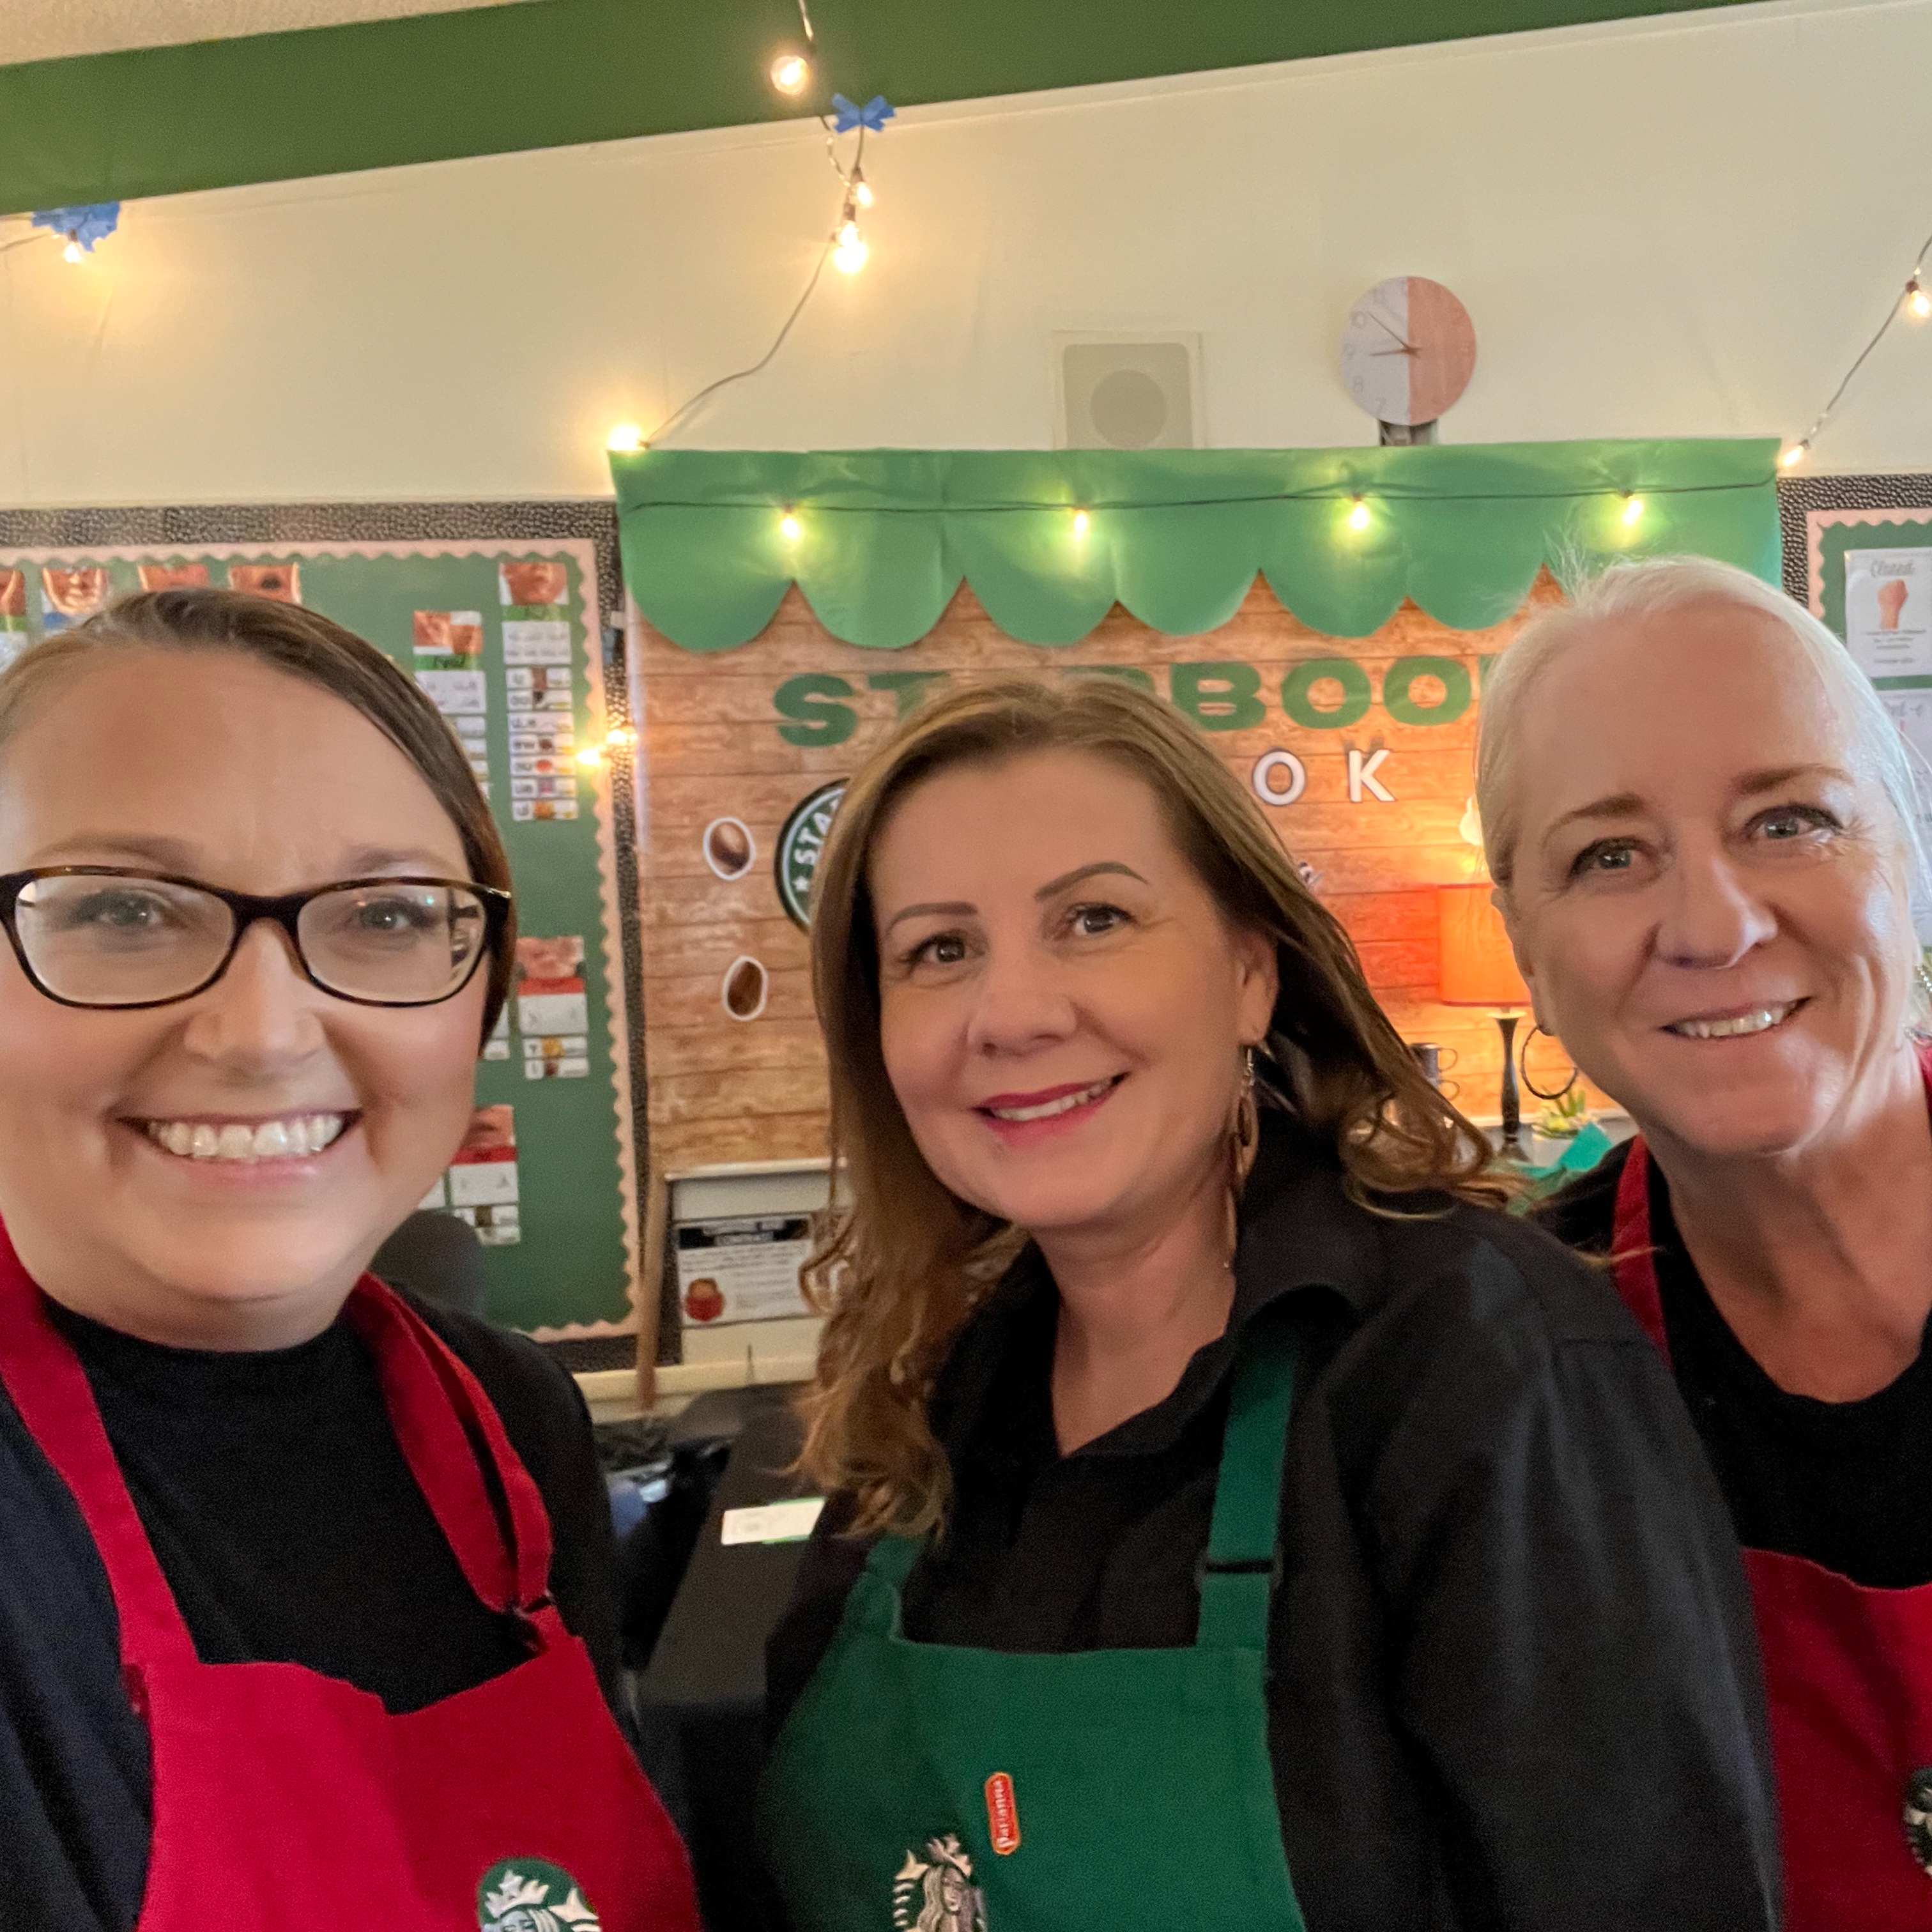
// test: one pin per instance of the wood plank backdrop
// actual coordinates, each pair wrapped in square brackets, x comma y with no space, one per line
[750,733]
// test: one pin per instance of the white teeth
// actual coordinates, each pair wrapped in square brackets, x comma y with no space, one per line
[297,1136]
[1048,1108]
[1760,1021]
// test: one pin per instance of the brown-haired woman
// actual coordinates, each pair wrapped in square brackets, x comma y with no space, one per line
[1098,1638]
[306,1611]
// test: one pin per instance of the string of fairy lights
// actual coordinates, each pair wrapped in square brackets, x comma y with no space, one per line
[790,73]
[791,69]
[1914,303]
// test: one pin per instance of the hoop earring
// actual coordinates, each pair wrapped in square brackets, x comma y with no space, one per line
[1530,1085]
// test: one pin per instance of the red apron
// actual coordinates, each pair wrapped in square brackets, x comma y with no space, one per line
[1849,1674]
[285,1800]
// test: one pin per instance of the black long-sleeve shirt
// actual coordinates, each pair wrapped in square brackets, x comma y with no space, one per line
[1836,1483]
[290,1530]
[1514,1683]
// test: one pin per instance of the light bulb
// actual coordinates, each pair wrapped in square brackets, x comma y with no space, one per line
[1633,508]
[1080,526]
[625,437]
[1358,517]
[72,252]
[849,257]
[789,73]
[1917,301]
[862,190]
[1794,455]
[591,756]
[788,527]
[619,738]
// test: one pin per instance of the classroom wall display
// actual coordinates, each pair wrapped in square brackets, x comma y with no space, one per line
[792,609]
[505,638]
[1865,549]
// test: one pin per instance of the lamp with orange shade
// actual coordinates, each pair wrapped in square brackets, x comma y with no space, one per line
[1476,968]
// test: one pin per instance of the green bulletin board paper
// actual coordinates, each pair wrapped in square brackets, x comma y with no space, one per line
[572,1269]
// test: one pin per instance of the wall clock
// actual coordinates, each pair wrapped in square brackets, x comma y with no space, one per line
[1407,351]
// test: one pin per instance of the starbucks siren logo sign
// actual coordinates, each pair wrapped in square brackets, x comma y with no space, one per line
[528,1895]
[800,842]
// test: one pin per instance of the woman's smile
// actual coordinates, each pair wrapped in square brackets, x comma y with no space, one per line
[279,1140]
[1748,1022]
[1019,1119]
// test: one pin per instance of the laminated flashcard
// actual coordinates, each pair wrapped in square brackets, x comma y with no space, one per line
[447,639]
[551,1000]
[534,585]
[281,581]
[173,576]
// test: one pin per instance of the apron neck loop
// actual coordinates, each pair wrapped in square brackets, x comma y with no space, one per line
[1243,1565]
[450,1434]
[50,1390]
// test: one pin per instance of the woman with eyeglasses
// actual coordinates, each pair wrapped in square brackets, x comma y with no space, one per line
[306,1610]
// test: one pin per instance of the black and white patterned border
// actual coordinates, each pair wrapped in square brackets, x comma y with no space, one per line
[1798,496]
[196,525]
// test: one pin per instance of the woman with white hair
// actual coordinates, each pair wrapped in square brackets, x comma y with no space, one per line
[1703,828]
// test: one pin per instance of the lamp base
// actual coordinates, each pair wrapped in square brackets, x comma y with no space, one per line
[1510,1140]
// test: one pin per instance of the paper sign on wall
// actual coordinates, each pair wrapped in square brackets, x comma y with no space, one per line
[1888,611]
[743,1268]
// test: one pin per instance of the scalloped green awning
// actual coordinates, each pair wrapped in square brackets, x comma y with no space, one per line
[884,537]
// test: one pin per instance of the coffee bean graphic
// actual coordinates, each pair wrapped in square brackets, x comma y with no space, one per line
[745,987]
[729,847]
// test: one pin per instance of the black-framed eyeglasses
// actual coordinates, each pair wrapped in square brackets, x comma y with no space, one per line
[108,936]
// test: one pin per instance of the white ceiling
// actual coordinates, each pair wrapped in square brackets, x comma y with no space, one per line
[50,29]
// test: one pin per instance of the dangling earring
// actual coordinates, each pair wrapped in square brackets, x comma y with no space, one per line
[1245,1136]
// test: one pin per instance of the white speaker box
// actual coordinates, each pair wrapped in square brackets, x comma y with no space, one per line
[1120,392]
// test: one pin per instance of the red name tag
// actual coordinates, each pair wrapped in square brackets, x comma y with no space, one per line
[1003,1816]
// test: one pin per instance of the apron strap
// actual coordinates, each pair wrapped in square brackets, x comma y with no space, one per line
[892,1557]
[444,1422]
[1243,1563]
[50,1390]
[1632,1255]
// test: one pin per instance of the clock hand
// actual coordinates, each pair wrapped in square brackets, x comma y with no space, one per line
[1405,350]
[1409,349]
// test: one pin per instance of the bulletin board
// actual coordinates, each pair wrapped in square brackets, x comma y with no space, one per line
[790,609]
[1866,551]
[505,639]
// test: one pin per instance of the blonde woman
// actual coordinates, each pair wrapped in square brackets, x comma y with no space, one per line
[1236,1523]
[1711,897]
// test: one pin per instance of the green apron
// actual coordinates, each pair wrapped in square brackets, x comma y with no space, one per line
[930,1786]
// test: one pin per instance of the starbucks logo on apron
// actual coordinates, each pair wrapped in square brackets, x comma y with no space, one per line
[528,1895]
[934,1892]
[801,839]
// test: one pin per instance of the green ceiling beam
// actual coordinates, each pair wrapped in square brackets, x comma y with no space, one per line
[551,73]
